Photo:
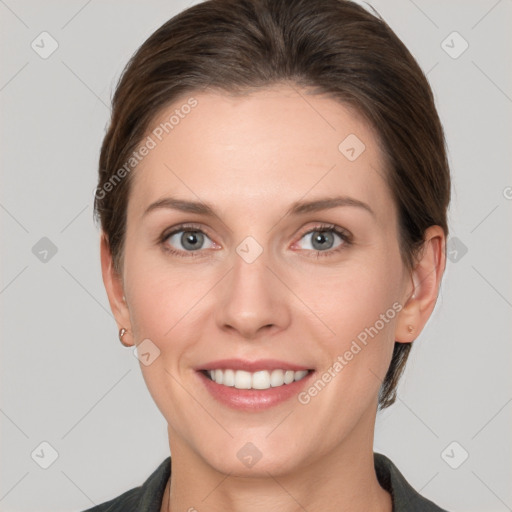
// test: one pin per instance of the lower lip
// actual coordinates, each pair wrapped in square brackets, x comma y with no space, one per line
[253,399]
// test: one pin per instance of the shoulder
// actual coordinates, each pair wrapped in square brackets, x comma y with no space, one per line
[404,496]
[145,498]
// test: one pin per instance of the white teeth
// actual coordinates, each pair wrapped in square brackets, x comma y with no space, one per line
[277,378]
[242,379]
[229,378]
[289,377]
[263,379]
[260,380]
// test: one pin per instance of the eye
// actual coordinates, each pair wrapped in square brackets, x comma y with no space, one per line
[185,239]
[188,240]
[322,239]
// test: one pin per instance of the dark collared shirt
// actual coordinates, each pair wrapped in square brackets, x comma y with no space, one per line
[149,496]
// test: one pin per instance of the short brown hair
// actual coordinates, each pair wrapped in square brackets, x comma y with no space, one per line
[332,47]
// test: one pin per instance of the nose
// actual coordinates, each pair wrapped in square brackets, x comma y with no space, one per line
[252,301]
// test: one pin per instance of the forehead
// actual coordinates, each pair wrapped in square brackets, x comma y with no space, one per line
[272,146]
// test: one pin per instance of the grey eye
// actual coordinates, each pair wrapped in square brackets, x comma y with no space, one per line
[321,240]
[190,240]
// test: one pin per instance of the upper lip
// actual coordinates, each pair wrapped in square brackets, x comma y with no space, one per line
[251,366]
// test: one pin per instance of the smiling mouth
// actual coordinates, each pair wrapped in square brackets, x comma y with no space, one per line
[264,379]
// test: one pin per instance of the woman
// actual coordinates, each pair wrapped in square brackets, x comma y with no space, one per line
[272,193]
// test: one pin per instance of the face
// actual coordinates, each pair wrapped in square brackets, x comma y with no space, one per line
[299,303]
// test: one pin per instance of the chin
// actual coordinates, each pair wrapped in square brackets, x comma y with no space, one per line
[253,459]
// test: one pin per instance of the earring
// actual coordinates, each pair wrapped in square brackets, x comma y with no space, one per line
[122,332]
[410,328]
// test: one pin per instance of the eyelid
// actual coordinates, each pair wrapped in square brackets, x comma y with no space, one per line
[325,226]
[187,226]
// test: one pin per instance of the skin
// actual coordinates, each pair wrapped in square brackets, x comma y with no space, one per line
[251,157]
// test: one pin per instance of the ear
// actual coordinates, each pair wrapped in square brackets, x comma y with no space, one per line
[423,286]
[115,290]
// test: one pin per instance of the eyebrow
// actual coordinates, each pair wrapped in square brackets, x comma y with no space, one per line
[297,208]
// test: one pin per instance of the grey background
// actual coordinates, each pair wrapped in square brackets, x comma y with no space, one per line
[66,379]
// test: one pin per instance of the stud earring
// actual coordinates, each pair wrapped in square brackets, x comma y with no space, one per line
[122,332]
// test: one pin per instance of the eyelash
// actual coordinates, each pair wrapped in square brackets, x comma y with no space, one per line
[345,236]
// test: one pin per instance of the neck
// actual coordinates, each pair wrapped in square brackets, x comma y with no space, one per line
[343,479]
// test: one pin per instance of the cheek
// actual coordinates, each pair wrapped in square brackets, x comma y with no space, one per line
[166,300]
[161,301]
[354,296]
[165,307]
[360,304]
